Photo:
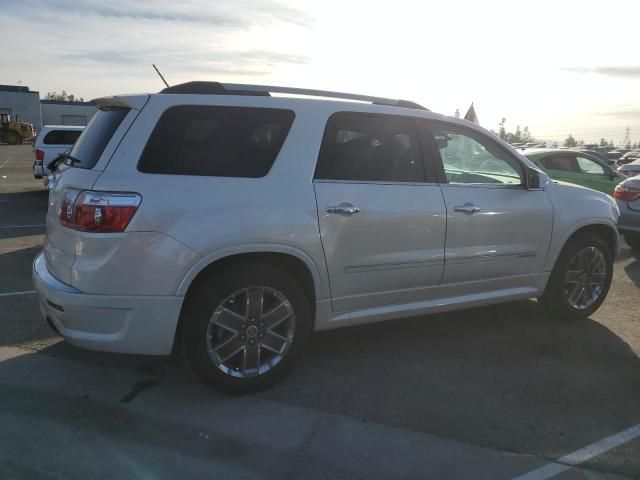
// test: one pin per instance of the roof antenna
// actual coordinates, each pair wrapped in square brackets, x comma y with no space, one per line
[158,72]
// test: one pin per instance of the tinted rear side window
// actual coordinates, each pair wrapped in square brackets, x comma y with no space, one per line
[365,147]
[216,141]
[96,135]
[61,137]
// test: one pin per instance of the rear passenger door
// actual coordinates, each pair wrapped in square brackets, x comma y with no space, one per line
[381,215]
[562,166]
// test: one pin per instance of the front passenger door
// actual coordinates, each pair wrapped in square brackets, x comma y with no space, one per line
[596,176]
[498,231]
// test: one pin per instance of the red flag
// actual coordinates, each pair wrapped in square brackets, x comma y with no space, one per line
[471,115]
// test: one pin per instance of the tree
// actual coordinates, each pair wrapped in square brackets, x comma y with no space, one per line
[63,97]
[526,135]
[518,134]
[603,142]
[570,141]
[628,145]
[502,132]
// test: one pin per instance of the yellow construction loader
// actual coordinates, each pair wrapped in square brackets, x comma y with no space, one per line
[14,132]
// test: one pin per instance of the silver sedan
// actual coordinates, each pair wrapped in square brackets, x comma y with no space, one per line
[630,169]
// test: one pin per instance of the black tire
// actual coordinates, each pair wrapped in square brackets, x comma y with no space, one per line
[217,289]
[13,138]
[633,240]
[555,298]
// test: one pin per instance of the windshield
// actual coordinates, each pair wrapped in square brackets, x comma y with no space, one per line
[95,137]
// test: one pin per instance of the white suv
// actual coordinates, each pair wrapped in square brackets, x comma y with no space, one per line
[230,224]
[51,142]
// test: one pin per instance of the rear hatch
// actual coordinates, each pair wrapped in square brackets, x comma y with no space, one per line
[90,155]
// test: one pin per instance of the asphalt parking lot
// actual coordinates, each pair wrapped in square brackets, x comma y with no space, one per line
[496,392]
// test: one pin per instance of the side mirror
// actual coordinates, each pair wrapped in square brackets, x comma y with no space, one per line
[536,179]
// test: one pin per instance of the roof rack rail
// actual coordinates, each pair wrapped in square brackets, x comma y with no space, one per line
[217,88]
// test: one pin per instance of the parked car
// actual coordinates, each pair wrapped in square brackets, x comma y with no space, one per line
[629,157]
[229,224]
[52,141]
[627,194]
[617,153]
[630,169]
[580,168]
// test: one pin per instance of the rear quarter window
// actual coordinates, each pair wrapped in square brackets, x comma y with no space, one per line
[216,141]
[61,137]
[96,136]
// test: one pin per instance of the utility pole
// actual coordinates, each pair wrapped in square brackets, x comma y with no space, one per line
[627,137]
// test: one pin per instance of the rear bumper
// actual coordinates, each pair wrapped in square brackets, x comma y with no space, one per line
[112,323]
[629,220]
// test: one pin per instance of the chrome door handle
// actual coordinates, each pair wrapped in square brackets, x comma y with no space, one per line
[344,209]
[467,208]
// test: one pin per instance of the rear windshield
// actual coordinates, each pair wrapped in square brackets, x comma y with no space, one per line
[61,137]
[96,135]
[216,141]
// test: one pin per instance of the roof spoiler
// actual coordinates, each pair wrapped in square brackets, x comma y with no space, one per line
[133,102]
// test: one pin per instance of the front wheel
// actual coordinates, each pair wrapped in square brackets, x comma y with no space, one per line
[580,279]
[244,326]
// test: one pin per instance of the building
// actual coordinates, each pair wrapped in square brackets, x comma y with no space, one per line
[22,104]
[56,112]
[25,105]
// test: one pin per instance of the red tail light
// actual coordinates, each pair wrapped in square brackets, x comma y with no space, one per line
[97,211]
[39,157]
[626,194]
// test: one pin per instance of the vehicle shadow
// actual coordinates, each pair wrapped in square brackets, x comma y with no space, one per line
[633,272]
[504,376]
[507,376]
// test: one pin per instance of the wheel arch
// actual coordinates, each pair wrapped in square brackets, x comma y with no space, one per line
[604,229]
[292,259]
[295,262]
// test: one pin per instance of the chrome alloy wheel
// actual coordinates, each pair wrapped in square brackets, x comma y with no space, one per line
[250,332]
[584,280]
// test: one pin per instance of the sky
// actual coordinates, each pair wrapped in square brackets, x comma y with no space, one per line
[558,67]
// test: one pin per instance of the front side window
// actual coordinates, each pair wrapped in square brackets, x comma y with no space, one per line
[590,166]
[216,141]
[468,159]
[370,148]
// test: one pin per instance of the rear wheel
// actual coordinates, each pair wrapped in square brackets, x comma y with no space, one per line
[244,326]
[580,279]
[633,240]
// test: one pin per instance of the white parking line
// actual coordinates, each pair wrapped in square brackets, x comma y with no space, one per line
[9,294]
[23,226]
[582,455]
